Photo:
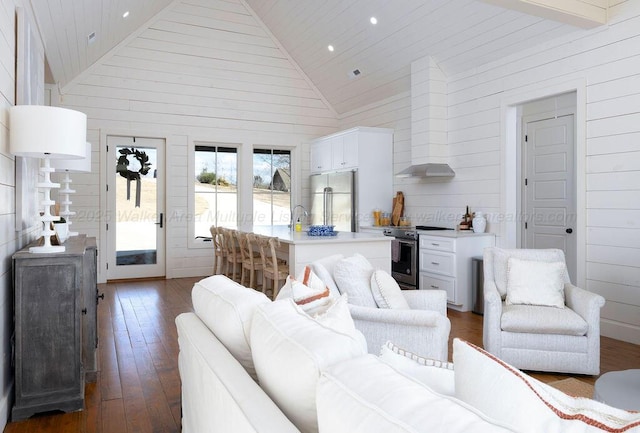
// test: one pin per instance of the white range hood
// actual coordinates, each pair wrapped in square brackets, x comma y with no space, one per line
[429,151]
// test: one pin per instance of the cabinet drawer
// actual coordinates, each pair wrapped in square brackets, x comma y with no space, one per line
[439,263]
[438,282]
[437,243]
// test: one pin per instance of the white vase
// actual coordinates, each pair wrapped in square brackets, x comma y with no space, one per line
[479,223]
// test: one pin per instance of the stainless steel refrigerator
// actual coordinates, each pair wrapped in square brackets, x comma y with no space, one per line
[333,200]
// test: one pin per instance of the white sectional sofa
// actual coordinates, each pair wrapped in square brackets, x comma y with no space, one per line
[251,365]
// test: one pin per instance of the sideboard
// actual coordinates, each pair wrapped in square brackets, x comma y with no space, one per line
[55,320]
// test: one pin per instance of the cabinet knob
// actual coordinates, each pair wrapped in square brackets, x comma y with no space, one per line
[84,311]
[435,263]
[435,287]
[435,245]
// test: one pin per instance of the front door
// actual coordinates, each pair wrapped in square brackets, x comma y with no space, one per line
[549,205]
[135,234]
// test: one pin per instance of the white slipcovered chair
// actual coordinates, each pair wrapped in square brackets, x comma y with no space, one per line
[423,329]
[536,337]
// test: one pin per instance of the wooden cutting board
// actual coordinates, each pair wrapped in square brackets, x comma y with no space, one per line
[398,208]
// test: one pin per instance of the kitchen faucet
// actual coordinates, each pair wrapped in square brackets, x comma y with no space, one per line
[304,214]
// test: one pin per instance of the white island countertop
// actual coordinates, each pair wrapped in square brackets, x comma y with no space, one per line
[300,249]
[286,235]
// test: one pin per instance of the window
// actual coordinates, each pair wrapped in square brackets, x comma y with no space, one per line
[271,187]
[215,188]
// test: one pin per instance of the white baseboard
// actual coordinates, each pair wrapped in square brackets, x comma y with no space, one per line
[5,406]
[620,331]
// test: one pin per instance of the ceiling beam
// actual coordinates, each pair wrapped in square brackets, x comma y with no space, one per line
[580,13]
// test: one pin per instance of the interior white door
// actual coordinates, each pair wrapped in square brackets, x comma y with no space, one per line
[549,198]
[135,197]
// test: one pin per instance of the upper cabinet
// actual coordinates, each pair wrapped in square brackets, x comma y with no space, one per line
[347,150]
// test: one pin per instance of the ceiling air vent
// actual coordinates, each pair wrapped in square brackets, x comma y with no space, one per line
[354,74]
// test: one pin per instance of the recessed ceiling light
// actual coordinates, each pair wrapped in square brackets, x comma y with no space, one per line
[373,20]
[330,48]
[126,14]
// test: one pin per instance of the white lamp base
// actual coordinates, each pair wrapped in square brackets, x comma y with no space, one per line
[47,218]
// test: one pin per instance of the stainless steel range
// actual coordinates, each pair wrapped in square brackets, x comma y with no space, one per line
[404,254]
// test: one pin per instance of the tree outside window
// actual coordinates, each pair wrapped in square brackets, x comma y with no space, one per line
[215,188]
[271,187]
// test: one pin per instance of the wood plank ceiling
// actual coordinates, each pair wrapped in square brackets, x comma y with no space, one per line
[461,35]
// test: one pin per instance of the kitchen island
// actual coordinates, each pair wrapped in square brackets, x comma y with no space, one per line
[300,249]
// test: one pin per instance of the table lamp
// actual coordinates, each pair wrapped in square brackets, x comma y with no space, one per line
[38,131]
[71,166]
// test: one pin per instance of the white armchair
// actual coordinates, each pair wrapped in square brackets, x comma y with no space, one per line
[540,338]
[424,329]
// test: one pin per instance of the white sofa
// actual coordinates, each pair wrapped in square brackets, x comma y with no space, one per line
[327,383]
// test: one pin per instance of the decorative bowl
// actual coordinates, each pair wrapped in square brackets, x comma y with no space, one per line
[321,230]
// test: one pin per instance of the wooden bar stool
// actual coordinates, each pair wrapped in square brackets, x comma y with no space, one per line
[219,256]
[251,259]
[274,269]
[234,257]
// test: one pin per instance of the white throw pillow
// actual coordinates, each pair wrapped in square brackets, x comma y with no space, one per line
[366,395]
[227,308]
[353,277]
[290,349]
[386,291]
[535,283]
[503,392]
[436,375]
[308,291]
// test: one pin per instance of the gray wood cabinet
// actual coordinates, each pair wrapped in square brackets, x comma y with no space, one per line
[55,323]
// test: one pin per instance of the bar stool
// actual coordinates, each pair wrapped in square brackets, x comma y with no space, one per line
[274,269]
[234,257]
[251,259]
[219,256]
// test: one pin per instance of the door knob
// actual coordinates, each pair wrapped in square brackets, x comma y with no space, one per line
[569,231]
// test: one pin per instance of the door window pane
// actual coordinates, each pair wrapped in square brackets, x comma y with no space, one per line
[215,188]
[136,206]
[271,187]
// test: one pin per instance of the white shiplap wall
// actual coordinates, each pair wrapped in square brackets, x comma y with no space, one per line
[204,70]
[607,59]
[10,240]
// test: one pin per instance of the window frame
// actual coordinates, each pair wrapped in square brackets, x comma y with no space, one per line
[292,179]
[191,169]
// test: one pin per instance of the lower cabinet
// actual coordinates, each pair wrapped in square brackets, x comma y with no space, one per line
[55,323]
[445,264]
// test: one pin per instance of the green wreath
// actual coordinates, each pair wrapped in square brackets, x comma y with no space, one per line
[123,163]
[123,169]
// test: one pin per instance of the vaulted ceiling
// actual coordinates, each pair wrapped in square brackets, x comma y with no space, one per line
[461,35]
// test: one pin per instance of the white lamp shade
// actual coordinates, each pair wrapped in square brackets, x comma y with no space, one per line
[38,130]
[74,165]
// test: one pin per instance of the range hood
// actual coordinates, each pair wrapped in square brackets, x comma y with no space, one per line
[427,170]
[429,145]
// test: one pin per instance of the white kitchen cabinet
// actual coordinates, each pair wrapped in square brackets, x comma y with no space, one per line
[368,152]
[320,157]
[346,150]
[445,263]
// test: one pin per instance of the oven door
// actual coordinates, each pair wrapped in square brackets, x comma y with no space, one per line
[404,262]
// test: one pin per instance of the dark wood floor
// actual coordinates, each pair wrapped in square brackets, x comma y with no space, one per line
[138,388]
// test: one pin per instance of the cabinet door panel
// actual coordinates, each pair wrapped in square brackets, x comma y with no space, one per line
[438,282]
[439,263]
[350,150]
[50,351]
[320,156]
